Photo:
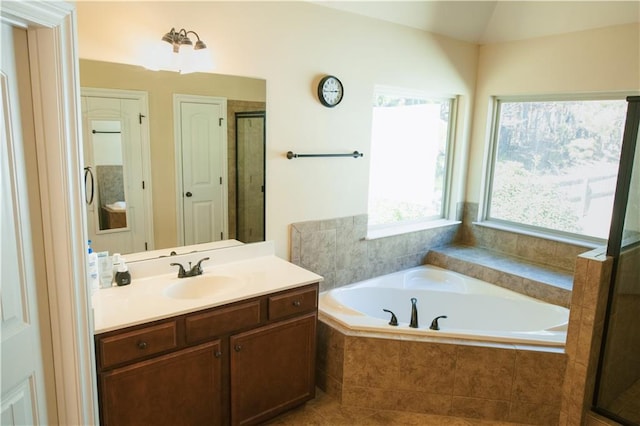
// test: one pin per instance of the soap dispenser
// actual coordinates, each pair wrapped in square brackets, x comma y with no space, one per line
[123,277]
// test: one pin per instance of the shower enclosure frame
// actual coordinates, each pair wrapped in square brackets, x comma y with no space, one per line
[616,243]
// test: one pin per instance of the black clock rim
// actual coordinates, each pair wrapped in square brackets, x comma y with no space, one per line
[321,98]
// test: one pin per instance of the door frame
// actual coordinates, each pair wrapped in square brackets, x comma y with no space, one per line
[142,98]
[53,57]
[177,127]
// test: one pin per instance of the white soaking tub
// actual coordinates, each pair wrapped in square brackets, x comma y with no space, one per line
[474,309]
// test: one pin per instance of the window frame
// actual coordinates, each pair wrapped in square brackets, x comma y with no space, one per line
[400,227]
[488,169]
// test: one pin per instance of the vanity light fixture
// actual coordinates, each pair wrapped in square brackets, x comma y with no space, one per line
[179,53]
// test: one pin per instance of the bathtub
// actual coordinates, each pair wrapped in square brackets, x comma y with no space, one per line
[475,310]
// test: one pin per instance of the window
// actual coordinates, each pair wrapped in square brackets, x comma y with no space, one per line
[555,164]
[409,155]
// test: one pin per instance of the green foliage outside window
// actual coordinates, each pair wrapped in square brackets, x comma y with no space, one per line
[556,163]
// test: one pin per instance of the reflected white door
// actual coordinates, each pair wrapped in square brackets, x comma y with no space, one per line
[115,188]
[203,160]
[23,397]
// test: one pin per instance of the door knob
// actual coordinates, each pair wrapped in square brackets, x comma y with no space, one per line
[188,194]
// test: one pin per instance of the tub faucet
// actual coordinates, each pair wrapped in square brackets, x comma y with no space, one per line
[414,313]
[394,319]
[192,272]
[434,323]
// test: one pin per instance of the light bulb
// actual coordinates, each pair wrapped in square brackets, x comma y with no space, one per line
[199,61]
[159,57]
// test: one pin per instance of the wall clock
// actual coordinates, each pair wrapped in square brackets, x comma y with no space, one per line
[330,91]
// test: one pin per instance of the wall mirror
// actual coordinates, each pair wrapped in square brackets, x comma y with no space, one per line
[116,170]
[106,154]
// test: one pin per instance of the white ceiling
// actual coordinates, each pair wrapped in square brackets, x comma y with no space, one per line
[485,22]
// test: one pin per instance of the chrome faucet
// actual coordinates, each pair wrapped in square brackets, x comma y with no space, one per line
[414,313]
[192,272]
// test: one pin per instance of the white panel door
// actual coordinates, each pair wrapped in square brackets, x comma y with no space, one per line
[113,152]
[22,397]
[202,172]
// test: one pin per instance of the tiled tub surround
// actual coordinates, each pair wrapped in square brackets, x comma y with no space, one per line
[338,249]
[552,285]
[553,255]
[111,184]
[534,266]
[584,336]
[496,382]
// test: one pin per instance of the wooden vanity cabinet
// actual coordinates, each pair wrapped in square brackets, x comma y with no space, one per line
[183,387]
[239,364]
[272,369]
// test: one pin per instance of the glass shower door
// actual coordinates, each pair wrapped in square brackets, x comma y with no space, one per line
[617,392]
[250,171]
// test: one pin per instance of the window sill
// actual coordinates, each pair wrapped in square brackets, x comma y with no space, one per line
[391,230]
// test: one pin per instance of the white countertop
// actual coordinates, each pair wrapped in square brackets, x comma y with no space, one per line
[144,300]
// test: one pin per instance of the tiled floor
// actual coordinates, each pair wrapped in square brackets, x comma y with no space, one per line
[326,411]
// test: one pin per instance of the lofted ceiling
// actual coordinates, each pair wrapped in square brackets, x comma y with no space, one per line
[484,22]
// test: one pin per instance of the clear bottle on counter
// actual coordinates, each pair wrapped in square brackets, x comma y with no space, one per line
[105,269]
[92,269]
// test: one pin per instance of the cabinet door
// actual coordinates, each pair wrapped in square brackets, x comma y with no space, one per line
[181,388]
[272,369]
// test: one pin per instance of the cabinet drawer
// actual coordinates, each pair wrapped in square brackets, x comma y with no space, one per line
[221,321]
[293,302]
[137,344]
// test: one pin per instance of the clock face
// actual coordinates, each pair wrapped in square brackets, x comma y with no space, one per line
[330,91]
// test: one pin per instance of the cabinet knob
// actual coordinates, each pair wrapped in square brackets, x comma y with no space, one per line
[238,348]
[142,344]
[218,354]
[297,303]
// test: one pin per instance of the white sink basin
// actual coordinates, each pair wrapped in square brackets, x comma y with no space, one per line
[202,287]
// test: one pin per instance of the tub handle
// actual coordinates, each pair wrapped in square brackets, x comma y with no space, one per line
[394,319]
[434,323]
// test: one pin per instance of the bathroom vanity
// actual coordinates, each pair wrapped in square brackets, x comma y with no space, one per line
[239,350]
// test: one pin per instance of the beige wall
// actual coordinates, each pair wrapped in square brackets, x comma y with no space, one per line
[161,86]
[292,45]
[601,60]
